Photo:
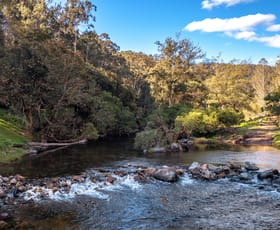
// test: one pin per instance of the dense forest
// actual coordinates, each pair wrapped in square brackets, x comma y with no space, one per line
[69,83]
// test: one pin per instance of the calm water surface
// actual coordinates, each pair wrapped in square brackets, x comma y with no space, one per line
[120,152]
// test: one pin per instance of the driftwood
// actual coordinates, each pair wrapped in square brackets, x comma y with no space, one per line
[39,147]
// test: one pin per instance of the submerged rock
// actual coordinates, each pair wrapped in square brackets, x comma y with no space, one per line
[157,150]
[175,147]
[245,176]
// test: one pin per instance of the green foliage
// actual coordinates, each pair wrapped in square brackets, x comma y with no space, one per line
[170,79]
[229,117]
[149,138]
[205,122]
[192,122]
[165,115]
[250,123]
[12,119]
[273,102]
[276,140]
[67,84]
[230,87]
[10,135]
[58,79]
[90,132]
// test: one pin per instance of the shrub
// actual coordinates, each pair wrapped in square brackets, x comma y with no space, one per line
[205,122]
[192,122]
[229,117]
[149,138]
[166,115]
[90,131]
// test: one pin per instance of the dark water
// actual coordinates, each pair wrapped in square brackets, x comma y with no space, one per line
[187,204]
[119,152]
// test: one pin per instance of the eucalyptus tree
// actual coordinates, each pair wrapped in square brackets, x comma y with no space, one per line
[276,75]
[230,87]
[170,77]
[262,81]
[273,102]
[74,16]
[140,65]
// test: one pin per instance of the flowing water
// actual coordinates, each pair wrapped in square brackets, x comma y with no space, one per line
[127,204]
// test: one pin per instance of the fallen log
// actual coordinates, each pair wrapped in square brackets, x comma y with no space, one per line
[38,147]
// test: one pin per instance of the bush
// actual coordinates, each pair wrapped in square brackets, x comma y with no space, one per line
[192,122]
[149,138]
[229,117]
[90,132]
[205,122]
[166,115]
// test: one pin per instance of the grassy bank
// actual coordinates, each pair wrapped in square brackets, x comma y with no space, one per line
[276,140]
[12,137]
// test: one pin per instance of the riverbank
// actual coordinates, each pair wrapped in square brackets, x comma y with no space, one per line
[12,138]
[261,133]
[207,196]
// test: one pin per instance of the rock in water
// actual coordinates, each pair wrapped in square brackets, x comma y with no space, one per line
[194,165]
[251,166]
[157,150]
[166,174]
[4,216]
[3,225]
[245,176]
[268,174]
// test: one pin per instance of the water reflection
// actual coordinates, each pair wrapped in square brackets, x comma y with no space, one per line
[120,152]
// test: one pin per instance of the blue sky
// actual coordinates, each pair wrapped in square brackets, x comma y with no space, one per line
[236,29]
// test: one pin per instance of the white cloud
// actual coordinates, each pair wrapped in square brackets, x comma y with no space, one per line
[246,35]
[274,28]
[272,41]
[210,4]
[245,23]
[241,28]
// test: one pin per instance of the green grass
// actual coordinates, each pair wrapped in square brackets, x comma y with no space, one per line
[276,140]
[11,135]
[250,124]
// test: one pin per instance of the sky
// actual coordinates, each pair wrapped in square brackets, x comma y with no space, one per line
[228,29]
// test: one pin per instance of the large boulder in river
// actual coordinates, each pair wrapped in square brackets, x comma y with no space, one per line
[268,174]
[201,171]
[165,174]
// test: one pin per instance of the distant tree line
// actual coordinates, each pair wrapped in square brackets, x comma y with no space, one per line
[68,82]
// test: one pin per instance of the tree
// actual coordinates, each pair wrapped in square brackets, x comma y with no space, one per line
[276,75]
[170,77]
[230,87]
[273,102]
[76,14]
[139,65]
[262,81]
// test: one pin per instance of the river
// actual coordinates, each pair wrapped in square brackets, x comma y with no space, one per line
[118,152]
[127,204]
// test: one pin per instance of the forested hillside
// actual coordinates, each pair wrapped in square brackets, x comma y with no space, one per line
[67,82]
